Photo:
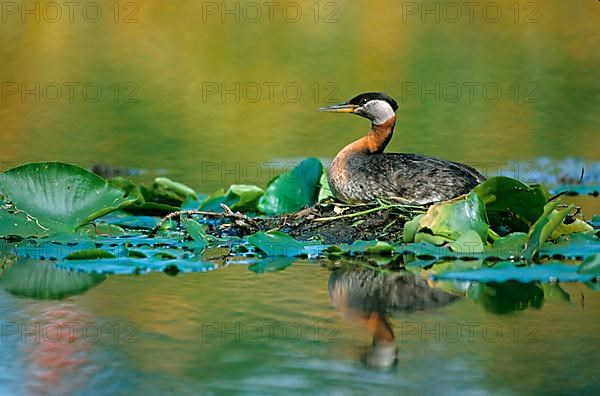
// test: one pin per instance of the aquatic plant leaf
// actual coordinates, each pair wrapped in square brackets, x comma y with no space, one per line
[591,265]
[60,196]
[410,228]
[127,265]
[197,231]
[455,266]
[275,243]
[42,280]
[575,246]
[578,189]
[544,227]
[511,205]
[89,254]
[271,264]
[371,247]
[177,191]
[293,190]
[324,190]
[452,219]
[126,220]
[506,271]
[515,241]
[468,242]
[241,197]
[577,225]
[19,223]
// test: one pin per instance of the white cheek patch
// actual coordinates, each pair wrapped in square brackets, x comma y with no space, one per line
[379,111]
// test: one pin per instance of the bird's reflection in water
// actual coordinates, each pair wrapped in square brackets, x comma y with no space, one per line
[367,297]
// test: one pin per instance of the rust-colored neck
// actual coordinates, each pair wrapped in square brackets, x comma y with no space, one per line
[376,140]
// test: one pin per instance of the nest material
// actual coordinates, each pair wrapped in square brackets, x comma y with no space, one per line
[329,222]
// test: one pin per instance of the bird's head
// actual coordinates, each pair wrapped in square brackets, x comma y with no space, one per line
[376,106]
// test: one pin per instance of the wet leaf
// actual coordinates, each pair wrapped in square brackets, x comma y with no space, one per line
[127,265]
[566,229]
[175,190]
[468,242]
[451,219]
[61,197]
[293,190]
[544,227]
[506,271]
[197,231]
[272,264]
[511,205]
[88,254]
[275,243]
[590,266]
[241,197]
[19,223]
[410,228]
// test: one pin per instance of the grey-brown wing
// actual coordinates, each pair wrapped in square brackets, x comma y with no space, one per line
[423,179]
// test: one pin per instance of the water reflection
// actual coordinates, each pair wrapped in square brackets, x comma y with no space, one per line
[367,298]
[42,280]
[507,297]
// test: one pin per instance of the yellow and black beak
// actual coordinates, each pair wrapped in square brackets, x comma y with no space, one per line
[340,108]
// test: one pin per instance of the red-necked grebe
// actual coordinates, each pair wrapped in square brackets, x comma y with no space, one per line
[362,172]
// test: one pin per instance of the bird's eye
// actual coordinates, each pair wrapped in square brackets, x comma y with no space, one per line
[363,101]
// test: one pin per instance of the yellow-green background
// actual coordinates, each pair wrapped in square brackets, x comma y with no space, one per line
[174,48]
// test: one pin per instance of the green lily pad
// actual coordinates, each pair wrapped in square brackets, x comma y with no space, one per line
[575,246]
[89,254]
[506,271]
[60,196]
[126,220]
[124,265]
[590,266]
[468,242]
[14,222]
[544,227]
[275,243]
[173,190]
[510,204]
[196,230]
[271,264]
[450,220]
[241,197]
[293,190]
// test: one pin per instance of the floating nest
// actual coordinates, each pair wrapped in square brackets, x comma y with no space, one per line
[330,222]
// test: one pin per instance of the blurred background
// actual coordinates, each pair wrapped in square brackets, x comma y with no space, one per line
[213,93]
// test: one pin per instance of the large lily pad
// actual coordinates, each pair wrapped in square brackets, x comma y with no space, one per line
[506,271]
[60,196]
[510,204]
[293,190]
[448,221]
[277,243]
[240,197]
[574,246]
